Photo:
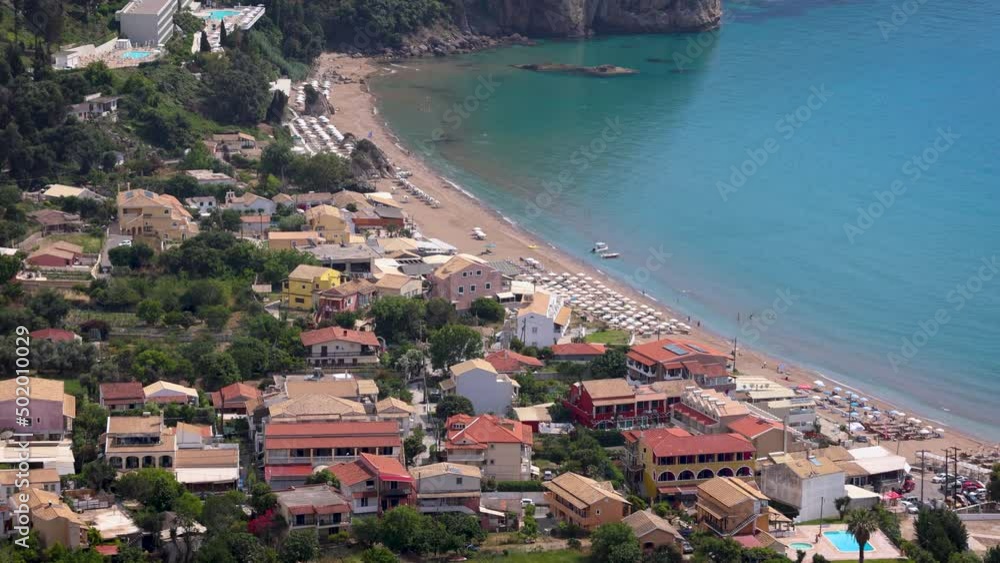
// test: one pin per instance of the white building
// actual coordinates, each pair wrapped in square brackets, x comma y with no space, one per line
[812,485]
[149,22]
[544,321]
[478,380]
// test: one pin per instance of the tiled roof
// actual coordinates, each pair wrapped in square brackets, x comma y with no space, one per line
[439,469]
[208,457]
[607,388]
[393,281]
[337,334]
[350,474]
[54,335]
[41,389]
[393,404]
[487,429]
[675,352]
[363,287]
[509,361]
[385,466]
[579,349]
[729,491]
[582,491]
[813,467]
[316,405]
[8,477]
[752,426]
[123,390]
[158,386]
[646,521]
[134,424]
[469,365]
[458,263]
[332,435]
[237,395]
[674,441]
[307,272]
[343,388]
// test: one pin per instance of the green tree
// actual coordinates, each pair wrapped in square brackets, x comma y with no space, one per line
[156,488]
[323,477]
[262,498]
[10,266]
[378,554]
[215,316]
[50,306]
[91,421]
[345,319]
[440,312]
[411,363]
[397,318]
[487,309]
[941,533]
[992,554]
[841,504]
[222,513]
[668,553]
[150,311]
[609,365]
[205,46]
[529,527]
[452,344]
[399,527]
[451,405]
[993,486]
[717,550]
[608,539]
[413,445]
[321,172]
[300,545]
[862,524]
[98,475]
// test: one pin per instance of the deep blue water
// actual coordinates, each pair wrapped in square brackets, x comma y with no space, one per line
[840,98]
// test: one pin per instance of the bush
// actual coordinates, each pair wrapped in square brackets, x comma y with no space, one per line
[519,486]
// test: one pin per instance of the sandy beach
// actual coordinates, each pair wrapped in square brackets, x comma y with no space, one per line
[459,213]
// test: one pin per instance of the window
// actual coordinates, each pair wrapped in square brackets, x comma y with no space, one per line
[465,274]
[472,288]
[534,330]
[493,461]
[300,300]
[461,290]
[458,480]
[364,502]
[370,484]
[393,485]
[479,273]
[598,511]
[488,285]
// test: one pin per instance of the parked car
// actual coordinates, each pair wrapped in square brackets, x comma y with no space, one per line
[526,502]
[861,439]
[939,478]
[913,508]
[686,547]
[547,475]
[912,499]
[972,486]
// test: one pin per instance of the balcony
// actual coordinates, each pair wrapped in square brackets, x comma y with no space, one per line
[467,457]
[308,460]
[401,492]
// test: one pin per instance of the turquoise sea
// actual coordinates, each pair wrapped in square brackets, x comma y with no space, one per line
[827,166]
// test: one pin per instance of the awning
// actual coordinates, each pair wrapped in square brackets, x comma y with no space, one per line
[461,494]
[485,510]
[203,475]
[683,491]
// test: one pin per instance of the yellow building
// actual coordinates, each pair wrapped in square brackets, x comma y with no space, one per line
[330,223]
[669,463]
[304,282]
[585,502]
[157,217]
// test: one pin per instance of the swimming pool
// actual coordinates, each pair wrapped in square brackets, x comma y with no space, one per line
[132,55]
[801,545]
[219,14]
[845,542]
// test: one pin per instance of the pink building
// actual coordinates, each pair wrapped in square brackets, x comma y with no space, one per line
[463,279]
[52,410]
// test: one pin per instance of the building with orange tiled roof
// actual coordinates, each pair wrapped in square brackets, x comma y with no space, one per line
[341,346]
[375,484]
[500,447]
[670,359]
[733,508]
[706,411]
[509,361]
[669,463]
[125,395]
[293,451]
[237,399]
[585,502]
[159,217]
[52,409]
[767,435]
[578,351]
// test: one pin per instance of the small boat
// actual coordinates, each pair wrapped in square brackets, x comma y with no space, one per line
[607,255]
[599,247]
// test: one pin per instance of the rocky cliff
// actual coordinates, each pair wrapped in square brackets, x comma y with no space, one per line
[579,18]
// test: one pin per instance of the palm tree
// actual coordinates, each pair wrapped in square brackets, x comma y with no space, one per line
[862,524]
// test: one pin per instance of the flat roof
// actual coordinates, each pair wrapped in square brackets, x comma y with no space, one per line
[149,7]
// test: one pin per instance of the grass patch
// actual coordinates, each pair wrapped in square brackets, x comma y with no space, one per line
[73,387]
[610,337]
[819,521]
[91,244]
[115,320]
[560,556]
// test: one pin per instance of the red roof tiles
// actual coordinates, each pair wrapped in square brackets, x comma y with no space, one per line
[673,441]
[752,426]
[53,335]
[335,333]
[508,361]
[579,349]
[122,391]
[486,429]
[697,358]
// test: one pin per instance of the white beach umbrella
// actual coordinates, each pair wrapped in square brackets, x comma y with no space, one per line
[939,430]
[819,383]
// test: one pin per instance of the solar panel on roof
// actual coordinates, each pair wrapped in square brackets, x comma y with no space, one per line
[676,349]
[815,462]
[697,348]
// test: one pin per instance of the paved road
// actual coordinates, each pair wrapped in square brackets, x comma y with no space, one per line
[111,241]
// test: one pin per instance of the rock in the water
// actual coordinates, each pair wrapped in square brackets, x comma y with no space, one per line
[600,70]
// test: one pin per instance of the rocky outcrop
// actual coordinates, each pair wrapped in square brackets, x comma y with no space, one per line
[600,70]
[579,18]
[368,161]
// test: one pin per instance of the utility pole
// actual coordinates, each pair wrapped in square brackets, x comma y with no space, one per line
[958,486]
[923,477]
[946,481]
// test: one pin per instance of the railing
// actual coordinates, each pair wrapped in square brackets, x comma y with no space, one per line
[460,458]
[290,460]
[361,354]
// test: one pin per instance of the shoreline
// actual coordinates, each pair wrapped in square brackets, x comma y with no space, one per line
[461,210]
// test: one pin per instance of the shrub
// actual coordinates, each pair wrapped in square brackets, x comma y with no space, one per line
[519,486]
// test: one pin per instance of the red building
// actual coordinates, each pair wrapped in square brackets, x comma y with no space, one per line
[670,359]
[55,335]
[613,403]
[350,296]
[577,351]
[238,398]
[125,395]
[375,484]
